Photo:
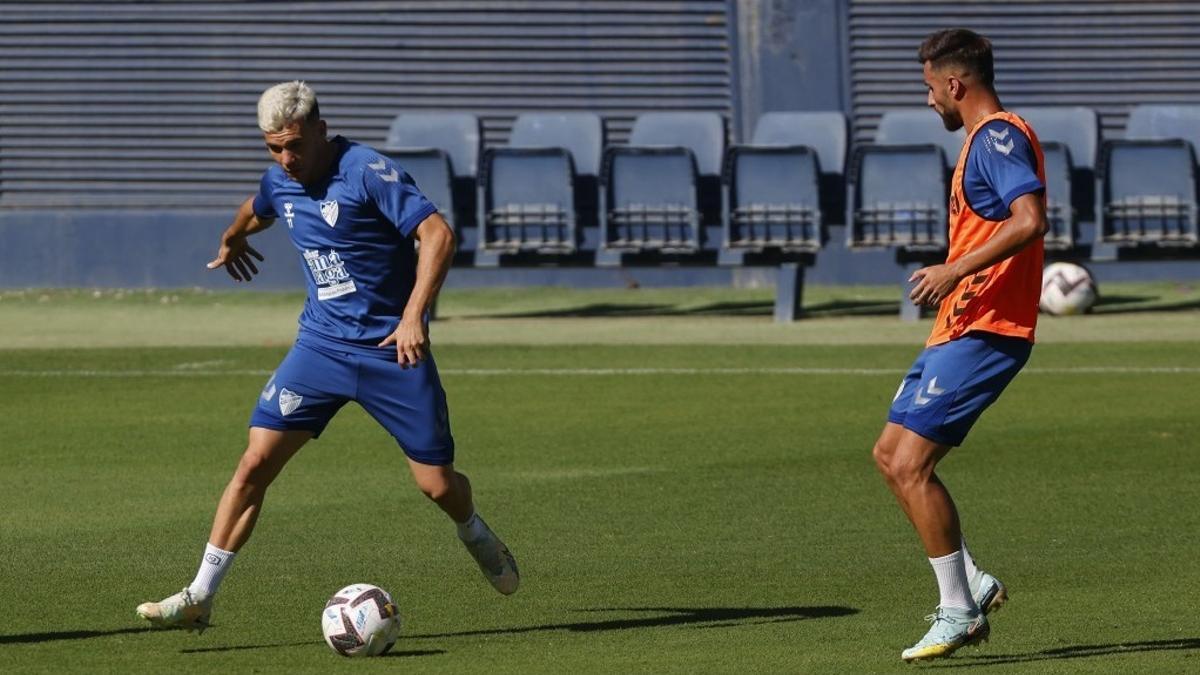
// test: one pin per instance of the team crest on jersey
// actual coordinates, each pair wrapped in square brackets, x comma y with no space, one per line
[329,211]
[288,401]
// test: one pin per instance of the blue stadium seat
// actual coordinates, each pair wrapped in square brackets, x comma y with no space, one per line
[657,192]
[1147,193]
[703,133]
[430,168]
[1069,135]
[582,134]
[896,196]
[526,202]
[772,188]
[919,126]
[648,202]
[1061,214]
[457,134]
[459,137]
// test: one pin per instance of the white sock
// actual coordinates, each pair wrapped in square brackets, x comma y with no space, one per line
[952,582]
[968,561]
[213,566]
[472,529]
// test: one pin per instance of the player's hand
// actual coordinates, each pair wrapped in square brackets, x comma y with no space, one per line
[934,284]
[412,342]
[236,255]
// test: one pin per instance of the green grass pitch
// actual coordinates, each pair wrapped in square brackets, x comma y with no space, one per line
[705,506]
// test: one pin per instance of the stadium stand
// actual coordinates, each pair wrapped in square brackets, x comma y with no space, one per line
[1070,138]
[919,126]
[532,193]
[1146,194]
[651,201]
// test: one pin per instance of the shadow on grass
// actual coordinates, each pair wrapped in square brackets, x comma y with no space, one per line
[305,643]
[730,308]
[698,617]
[33,638]
[1075,652]
[1114,305]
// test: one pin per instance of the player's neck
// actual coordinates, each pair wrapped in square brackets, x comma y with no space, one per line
[976,110]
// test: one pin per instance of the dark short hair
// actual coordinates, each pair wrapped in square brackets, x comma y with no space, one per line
[961,47]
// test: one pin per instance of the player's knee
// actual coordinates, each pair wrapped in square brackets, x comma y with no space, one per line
[437,487]
[254,471]
[883,458]
[906,471]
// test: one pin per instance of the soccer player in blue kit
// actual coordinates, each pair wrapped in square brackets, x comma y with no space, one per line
[353,215]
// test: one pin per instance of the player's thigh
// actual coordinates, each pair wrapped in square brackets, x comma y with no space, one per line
[305,391]
[268,451]
[411,404]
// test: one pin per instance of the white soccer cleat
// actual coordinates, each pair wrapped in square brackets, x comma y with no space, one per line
[495,561]
[181,610]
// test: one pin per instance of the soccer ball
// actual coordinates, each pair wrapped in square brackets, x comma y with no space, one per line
[1067,288]
[360,620]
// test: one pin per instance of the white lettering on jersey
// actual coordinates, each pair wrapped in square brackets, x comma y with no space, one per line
[329,273]
[329,211]
[288,213]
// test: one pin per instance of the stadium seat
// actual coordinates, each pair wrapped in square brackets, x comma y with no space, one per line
[430,168]
[919,126]
[1061,214]
[896,188]
[772,188]
[651,194]
[896,196]
[526,201]
[531,191]
[1076,132]
[458,136]
[1147,193]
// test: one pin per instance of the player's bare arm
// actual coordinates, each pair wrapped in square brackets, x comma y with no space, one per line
[236,254]
[411,336]
[1027,225]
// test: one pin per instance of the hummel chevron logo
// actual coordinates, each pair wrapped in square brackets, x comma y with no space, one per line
[378,166]
[931,389]
[998,135]
[1004,148]
[392,177]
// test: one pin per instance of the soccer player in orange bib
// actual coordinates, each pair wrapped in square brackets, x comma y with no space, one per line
[987,298]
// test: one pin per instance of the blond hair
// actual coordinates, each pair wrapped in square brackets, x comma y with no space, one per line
[285,104]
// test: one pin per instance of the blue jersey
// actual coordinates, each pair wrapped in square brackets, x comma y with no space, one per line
[353,231]
[1001,166]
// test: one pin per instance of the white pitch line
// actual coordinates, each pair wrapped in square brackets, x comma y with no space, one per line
[585,372]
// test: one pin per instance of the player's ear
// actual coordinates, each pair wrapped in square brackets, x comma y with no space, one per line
[956,87]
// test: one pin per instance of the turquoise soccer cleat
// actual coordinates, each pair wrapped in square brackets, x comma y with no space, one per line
[989,594]
[497,564]
[181,610]
[952,629]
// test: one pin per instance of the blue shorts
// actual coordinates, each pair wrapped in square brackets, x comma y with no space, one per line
[951,384]
[315,381]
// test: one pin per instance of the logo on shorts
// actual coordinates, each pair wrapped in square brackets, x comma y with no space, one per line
[288,401]
[931,389]
[329,211]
